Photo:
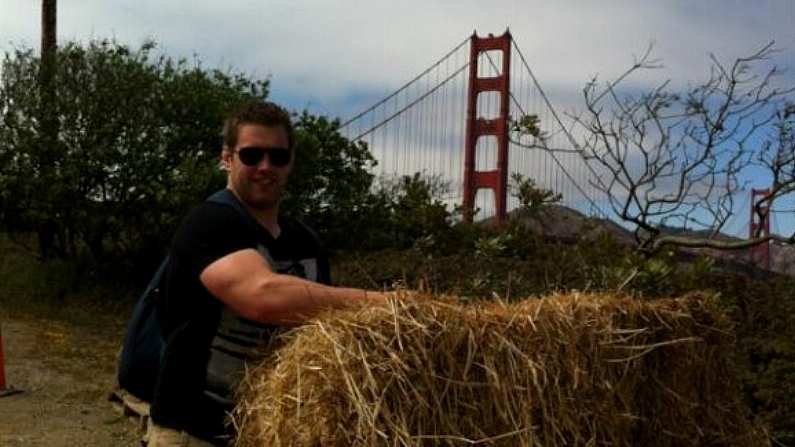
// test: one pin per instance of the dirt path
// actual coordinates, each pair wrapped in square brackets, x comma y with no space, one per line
[66,372]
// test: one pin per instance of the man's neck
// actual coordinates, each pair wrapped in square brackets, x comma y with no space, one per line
[268,218]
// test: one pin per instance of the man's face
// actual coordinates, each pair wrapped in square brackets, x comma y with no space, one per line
[261,185]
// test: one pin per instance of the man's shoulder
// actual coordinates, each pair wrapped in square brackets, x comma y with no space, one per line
[210,220]
[211,212]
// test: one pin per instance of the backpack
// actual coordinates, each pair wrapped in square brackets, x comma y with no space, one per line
[143,345]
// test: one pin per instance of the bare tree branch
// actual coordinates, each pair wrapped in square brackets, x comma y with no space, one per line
[681,158]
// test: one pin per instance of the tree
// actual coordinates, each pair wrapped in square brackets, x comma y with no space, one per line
[417,211]
[679,159]
[331,180]
[137,142]
[532,198]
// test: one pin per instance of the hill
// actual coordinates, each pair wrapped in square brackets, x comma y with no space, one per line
[560,222]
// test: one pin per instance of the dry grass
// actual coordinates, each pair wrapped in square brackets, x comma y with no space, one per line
[568,370]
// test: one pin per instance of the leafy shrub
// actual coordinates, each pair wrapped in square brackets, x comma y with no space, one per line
[137,141]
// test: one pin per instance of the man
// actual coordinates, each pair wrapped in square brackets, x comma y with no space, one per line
[232,281]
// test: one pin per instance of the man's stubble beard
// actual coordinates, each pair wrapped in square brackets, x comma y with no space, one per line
[264,204]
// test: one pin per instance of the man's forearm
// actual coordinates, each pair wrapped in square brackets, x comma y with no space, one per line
[244,281]
[291,300]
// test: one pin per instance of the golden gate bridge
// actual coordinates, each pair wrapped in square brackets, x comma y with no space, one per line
[454,124]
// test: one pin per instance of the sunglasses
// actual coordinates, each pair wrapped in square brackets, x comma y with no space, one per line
[277,156]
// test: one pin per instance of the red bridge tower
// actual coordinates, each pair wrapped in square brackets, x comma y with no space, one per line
[760,254]
[476,127]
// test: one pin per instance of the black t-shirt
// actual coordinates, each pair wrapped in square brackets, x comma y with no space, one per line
[205,341]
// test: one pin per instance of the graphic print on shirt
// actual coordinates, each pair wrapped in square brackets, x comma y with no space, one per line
[238,339]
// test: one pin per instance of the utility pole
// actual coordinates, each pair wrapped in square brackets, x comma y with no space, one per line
[48,119]
[47,73]
[49,44]
[49,9]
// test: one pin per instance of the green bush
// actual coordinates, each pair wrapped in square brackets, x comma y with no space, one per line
[136,142]
[330,186]
[398,213]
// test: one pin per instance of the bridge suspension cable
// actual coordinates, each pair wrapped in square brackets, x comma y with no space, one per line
[552,110]
[568,134]
[406,85]
[407,106]
[420,128]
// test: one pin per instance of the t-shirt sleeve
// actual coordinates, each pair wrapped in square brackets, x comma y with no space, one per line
[324,270]
[312,246]
[210,232]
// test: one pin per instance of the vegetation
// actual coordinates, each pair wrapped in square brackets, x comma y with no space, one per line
[531,197]
[138,141]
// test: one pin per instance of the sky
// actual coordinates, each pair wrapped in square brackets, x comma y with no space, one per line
[331,56]
[337,57]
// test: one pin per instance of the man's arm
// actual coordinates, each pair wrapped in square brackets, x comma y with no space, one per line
[244,281]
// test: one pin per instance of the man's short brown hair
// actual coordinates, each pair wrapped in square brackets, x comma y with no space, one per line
[263,113]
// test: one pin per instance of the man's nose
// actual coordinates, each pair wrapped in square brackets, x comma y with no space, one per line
[265,163]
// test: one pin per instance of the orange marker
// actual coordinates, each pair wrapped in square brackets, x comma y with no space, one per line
[4,391]
[2,364]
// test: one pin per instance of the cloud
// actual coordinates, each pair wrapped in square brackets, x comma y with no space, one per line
[338,56]
[332,50]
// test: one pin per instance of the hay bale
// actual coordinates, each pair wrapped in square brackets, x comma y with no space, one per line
[568,370]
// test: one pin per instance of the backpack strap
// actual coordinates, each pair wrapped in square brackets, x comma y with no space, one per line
[227,198]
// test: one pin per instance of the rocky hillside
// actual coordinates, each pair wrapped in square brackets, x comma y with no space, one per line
[565,223]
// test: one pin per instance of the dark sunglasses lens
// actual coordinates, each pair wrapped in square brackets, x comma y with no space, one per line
[250,156]
[279,156]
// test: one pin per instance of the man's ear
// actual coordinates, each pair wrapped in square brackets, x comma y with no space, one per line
[226,159]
